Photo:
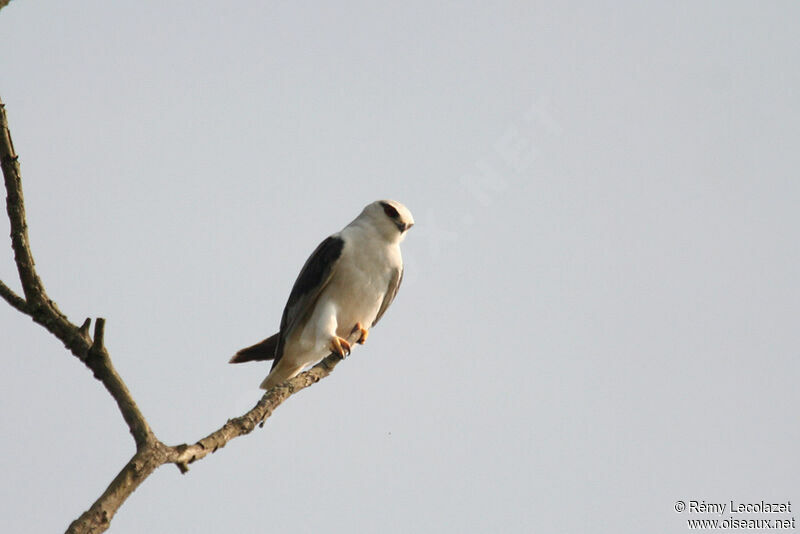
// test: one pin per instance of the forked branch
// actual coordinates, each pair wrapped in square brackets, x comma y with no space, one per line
[91,350]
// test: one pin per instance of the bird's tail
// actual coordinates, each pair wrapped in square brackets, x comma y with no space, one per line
[263,350]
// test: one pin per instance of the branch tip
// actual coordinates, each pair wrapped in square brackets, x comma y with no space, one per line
[99,333]
[84,328]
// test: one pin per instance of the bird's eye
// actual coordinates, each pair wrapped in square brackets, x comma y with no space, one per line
[389,210]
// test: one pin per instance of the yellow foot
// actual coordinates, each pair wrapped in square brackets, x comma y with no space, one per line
[364,333]
[340,346]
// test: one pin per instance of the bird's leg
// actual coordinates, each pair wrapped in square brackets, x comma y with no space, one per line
[363,333]
[340,346]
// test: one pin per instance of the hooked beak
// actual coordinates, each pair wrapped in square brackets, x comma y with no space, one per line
[403,227]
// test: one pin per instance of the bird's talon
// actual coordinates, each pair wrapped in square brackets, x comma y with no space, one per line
[340,346]
[363,333]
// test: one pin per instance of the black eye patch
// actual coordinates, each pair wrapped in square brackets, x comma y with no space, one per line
[389,210]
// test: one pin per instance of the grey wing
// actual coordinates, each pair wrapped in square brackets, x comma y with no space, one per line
[391,292]
[313,278]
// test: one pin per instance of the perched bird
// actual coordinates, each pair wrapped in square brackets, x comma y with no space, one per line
[344,287]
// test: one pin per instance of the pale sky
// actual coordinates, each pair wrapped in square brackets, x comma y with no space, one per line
[599,312]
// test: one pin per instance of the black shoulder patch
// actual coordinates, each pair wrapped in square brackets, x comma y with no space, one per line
[313,277]
[317,267]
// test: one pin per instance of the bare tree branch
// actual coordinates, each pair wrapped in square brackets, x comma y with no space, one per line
[150,452]
[146,460]
[98,517]
[15,205]
[99,362]
[43,310]
[183,455]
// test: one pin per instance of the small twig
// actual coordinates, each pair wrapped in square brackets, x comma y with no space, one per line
[84,328]
[12,298]
[99,335]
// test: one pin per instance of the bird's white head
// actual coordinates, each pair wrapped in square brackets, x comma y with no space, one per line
[389,217]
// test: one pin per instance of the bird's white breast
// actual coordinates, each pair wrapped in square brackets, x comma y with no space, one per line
[362,278]
[355,292]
